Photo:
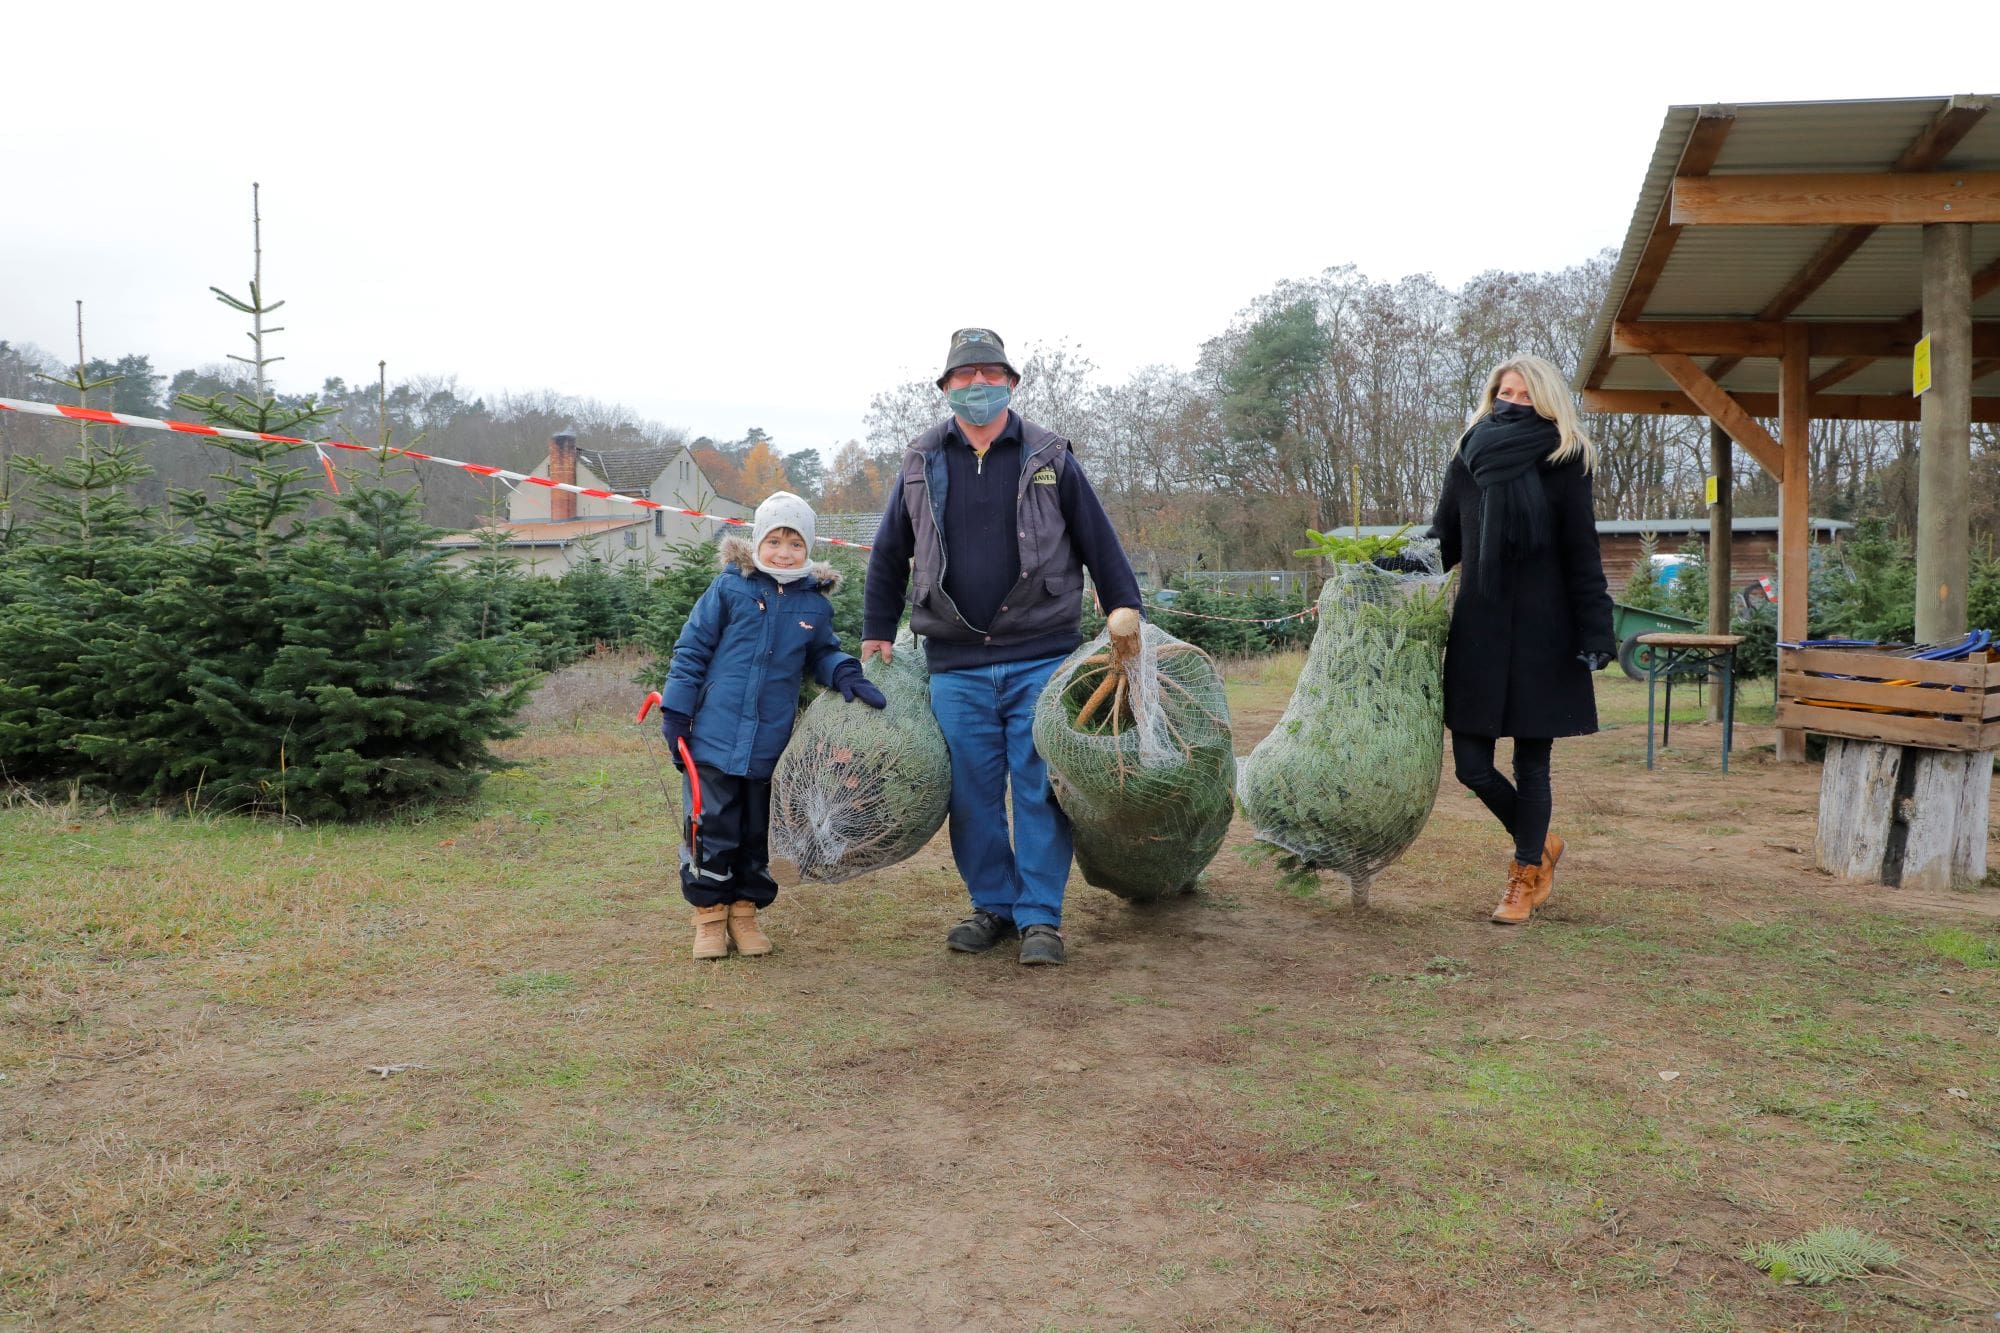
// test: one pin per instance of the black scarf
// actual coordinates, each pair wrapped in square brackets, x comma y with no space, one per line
[1513,507]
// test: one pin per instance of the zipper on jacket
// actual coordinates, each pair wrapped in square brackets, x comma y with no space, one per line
[944,547]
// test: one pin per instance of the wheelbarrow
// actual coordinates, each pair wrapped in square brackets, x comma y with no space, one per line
[1629,622]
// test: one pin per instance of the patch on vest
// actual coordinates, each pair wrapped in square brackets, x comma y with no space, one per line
[1045,477]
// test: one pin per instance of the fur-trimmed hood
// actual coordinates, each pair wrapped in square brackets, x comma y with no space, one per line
[736,553]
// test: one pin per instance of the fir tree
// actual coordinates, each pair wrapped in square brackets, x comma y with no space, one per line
[67,593]
[395,700]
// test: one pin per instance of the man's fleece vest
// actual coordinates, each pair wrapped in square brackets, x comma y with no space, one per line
[1046,600]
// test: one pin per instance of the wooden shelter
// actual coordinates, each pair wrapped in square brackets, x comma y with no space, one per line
[1783,262]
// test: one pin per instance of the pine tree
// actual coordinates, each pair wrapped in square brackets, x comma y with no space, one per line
[189,709]
[325,668]
[67,593]
[395,699]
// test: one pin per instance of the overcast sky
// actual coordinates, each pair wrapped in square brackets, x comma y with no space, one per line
[736,215]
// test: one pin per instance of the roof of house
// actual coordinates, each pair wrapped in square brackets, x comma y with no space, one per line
[629,471]
[543,534]
[847,527]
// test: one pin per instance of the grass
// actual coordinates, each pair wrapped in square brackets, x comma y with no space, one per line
[1240,1109]
[1621,701]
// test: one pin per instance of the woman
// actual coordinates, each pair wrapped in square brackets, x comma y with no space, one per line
[1533,617]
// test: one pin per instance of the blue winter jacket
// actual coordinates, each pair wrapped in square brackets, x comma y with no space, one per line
[740,657]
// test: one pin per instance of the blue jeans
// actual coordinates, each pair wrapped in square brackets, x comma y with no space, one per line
[988,717]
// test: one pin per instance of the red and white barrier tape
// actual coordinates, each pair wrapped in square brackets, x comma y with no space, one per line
[104,418]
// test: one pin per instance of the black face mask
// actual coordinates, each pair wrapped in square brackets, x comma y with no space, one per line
[1506,411]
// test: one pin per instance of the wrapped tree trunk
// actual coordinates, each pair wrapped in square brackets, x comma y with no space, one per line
[1135,729]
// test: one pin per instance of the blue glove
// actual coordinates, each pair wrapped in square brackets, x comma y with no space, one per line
[847,678]
[676,727]
[1595,661]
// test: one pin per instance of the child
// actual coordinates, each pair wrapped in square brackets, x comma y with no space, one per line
[732,693]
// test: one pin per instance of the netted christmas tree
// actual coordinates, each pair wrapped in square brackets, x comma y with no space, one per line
[1135,729]
[1347,778]
[861,788]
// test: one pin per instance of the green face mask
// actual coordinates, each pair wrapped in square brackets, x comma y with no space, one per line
[978,404]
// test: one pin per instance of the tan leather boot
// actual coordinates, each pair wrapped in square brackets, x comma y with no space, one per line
[1515,908]
[744,932]
[711,931]
[1545,874]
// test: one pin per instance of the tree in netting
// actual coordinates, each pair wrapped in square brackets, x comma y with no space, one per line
[1347,778]
[860,788]
[1135,729]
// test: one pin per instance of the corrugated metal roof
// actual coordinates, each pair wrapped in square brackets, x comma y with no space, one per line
[1768,524]
[1609,526]
[1734,272]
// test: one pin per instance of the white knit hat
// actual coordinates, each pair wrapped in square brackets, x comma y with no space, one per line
[781,509]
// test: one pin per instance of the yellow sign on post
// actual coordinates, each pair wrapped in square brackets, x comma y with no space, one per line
[1709,490]
[1920,367]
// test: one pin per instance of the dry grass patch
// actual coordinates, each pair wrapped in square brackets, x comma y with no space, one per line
[1239,1109]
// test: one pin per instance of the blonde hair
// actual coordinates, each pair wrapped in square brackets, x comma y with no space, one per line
[1552,401]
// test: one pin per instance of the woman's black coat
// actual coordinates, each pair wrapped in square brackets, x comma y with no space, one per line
[1511,667]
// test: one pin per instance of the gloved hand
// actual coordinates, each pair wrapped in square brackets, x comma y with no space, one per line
[676,727]
[852,684]
[1595,661]
[1400,564]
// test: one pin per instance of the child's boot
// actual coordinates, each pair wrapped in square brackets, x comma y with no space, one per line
[711,932]
[744,932]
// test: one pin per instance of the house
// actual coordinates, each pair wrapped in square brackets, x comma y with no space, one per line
[1753,544]
[550,532]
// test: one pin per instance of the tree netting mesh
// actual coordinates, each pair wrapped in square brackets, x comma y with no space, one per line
[860,788]
[1137,742]
[1347,778]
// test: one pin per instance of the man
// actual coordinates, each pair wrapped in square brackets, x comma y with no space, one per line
[989,526]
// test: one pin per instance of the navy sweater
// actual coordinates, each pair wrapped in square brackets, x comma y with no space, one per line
[985,561]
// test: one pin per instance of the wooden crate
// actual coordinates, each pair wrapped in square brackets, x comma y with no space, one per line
[1961,710]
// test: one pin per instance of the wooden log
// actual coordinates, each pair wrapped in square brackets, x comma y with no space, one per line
[1857,807]
[1904,816]
[1944,838]
[1974,822]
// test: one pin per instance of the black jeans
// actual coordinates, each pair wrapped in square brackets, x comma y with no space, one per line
[1523,805]
[735,864]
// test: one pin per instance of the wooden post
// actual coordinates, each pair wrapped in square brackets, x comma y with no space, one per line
[1794,428]
[1944,452]
[1721,547]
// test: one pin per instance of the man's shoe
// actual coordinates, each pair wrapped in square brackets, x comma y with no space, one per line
[1042,946]
[979,932]
[711,932]
[1515,908]
[744,932]
[1545,874]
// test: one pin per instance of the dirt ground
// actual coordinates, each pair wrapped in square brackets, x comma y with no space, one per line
[1241,1109]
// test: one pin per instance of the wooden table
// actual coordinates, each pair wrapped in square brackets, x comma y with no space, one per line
[1689,655]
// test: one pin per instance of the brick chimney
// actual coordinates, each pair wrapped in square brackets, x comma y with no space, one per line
[562,468]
